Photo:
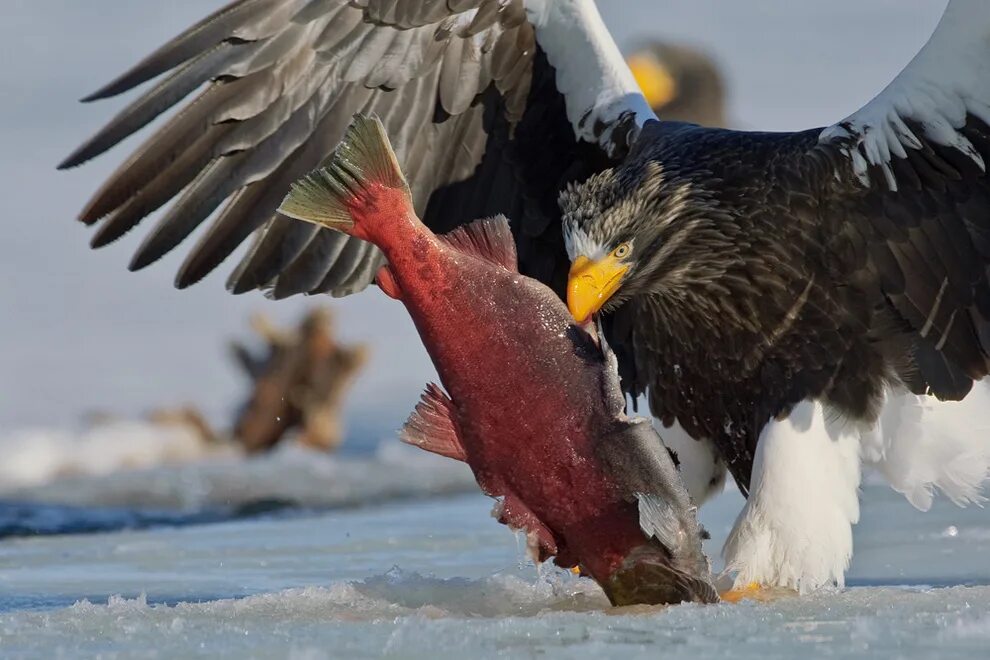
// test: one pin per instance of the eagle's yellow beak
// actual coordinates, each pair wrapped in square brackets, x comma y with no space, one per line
[591,283]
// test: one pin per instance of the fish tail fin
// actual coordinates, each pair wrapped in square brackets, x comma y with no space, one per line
[362,168]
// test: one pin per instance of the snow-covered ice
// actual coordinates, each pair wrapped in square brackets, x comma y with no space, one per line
[410,578]
[385,616]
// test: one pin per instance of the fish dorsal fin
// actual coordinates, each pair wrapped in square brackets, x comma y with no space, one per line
[489,239]
[432,426]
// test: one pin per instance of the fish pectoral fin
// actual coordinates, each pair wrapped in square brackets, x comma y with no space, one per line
[514,513]
[432,425]
[657,520]
[386,281]
[489,239]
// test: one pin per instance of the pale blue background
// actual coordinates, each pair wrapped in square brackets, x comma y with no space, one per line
[78,332]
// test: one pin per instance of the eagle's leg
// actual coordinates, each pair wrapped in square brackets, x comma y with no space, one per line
[795,532]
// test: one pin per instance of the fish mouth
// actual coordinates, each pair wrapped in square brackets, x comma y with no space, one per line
[646,577]
[591,327]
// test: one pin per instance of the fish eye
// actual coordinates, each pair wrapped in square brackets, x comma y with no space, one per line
[622,251]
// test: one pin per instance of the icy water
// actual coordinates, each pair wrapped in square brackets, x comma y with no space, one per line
[301,565]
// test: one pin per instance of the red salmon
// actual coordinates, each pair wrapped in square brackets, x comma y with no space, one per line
[533,403]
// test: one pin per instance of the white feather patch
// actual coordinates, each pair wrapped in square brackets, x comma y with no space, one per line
[578,243]
[597,85]
[947,79]
[796,528]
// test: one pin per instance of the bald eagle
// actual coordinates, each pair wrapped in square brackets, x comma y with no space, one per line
[791,304]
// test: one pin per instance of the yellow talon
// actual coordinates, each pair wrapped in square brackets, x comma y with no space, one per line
[576,570]
[752,591]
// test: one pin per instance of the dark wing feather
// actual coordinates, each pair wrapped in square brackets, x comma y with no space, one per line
[929,257]
[911,172]
[469,101]
[212,30]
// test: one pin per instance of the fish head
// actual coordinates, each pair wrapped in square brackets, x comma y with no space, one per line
[670,565]
[647,576]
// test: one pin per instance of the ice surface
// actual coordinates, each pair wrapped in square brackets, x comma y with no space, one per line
[484,618]
[440,576]
[408,615]
[35,519]
[291,474]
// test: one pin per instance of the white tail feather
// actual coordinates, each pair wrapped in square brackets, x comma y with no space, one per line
[923,445]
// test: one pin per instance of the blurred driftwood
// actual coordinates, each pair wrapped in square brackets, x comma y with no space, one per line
[188,417]
[299,380]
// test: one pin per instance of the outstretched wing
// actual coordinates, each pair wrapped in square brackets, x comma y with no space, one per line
[487,102]
[914,190]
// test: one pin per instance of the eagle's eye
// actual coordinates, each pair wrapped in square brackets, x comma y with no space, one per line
[622,251]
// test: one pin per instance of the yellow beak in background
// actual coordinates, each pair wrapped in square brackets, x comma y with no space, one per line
[591,283]
[653,78]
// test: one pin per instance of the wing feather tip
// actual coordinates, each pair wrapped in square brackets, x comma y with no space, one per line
[239,290]
[74,160]
[142,259]
[280,294]
[196,267]
[185,280]
[240,285]
[98,95]
[115,87]
[92,213]
[101,240]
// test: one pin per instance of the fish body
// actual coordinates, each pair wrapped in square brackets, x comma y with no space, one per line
[533,403]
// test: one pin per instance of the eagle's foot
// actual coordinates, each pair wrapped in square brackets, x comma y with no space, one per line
[755,591]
